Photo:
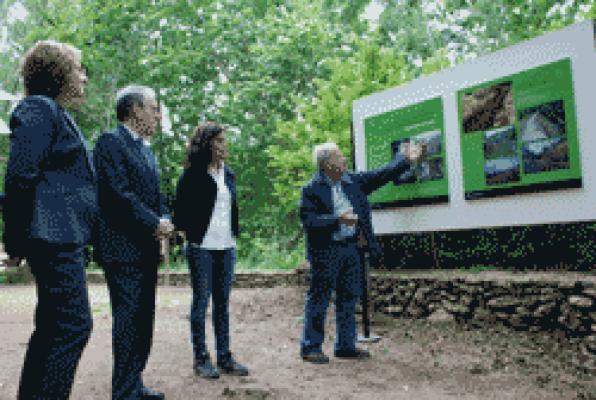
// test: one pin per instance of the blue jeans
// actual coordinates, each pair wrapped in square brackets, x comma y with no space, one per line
[62,321]
[336,267]
[211,272]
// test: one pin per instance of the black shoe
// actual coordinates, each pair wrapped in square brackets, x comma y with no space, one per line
[204,368]
[358,354]
[315,358]
[229,366]
[150,394]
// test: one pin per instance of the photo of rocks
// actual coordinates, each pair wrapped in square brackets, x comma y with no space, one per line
[544,144]
[488,108]
[501,163]
[429,169]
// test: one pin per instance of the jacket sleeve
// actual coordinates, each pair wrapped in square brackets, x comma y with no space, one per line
[312,219]
[108,160]
[33,125]
[372,180]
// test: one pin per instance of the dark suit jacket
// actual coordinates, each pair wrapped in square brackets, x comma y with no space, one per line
[130,204]
[50,185]
[196,193]
[316,205]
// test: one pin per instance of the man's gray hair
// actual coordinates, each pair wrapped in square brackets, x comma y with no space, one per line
[129,96]
[322,151]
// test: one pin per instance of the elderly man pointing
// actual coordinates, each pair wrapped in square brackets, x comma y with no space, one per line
[335,212]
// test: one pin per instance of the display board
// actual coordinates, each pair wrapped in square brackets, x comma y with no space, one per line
[518,134]
[386,133]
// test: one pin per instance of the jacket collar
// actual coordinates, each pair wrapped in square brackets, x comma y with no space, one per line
[323,179]
[132,135]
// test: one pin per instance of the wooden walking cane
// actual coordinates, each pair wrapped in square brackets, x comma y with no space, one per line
[365,263]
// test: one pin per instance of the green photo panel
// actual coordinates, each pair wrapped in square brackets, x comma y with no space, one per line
[519,133]
[385,133]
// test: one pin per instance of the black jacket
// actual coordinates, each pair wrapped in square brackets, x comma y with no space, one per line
[196,193]
[129,199]
[316,205]
[50,183]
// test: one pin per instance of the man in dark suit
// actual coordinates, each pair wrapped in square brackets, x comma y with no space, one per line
[132,218]
[49,212]
[336,215]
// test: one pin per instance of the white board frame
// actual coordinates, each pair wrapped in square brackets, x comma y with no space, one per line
[577,43]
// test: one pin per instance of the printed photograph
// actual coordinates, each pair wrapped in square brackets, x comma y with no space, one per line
[501,170]
[432,140]
[542,122]
[545,155]
[500,143]
[488,108]
[408,176]
[430,170]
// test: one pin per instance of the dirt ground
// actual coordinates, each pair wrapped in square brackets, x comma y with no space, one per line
[414,360]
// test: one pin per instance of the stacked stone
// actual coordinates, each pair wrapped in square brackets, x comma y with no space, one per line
[567,308]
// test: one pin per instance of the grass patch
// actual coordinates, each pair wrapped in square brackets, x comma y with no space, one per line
[15,275]
[257,255]
[477,268]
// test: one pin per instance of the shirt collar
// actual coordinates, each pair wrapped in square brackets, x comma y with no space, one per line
[328,180]
[219,173]
[136,136]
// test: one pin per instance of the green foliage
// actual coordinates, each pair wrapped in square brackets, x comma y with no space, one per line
[281,74]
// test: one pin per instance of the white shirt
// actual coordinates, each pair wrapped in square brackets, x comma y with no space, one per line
[341,204]
[219,233]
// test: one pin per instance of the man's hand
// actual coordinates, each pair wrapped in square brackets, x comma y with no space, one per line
[415,152]
[348,218]
[164,229]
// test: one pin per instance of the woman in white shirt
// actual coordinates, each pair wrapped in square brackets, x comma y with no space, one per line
[207,211]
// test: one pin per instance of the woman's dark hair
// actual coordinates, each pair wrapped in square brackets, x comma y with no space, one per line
[199,151]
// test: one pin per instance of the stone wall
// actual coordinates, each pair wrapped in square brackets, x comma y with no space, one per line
[564,304]
[258,279]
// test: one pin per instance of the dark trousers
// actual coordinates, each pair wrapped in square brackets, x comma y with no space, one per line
[212,272]
[132,296]
[336,267]
[62,322]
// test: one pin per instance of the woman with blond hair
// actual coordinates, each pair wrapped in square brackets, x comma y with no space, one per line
[49,212]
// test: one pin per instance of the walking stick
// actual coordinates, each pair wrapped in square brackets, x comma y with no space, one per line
[366,338]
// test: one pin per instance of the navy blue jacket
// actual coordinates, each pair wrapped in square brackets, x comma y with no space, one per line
[130,203]
[316,205]
[196,193]
[50,181]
